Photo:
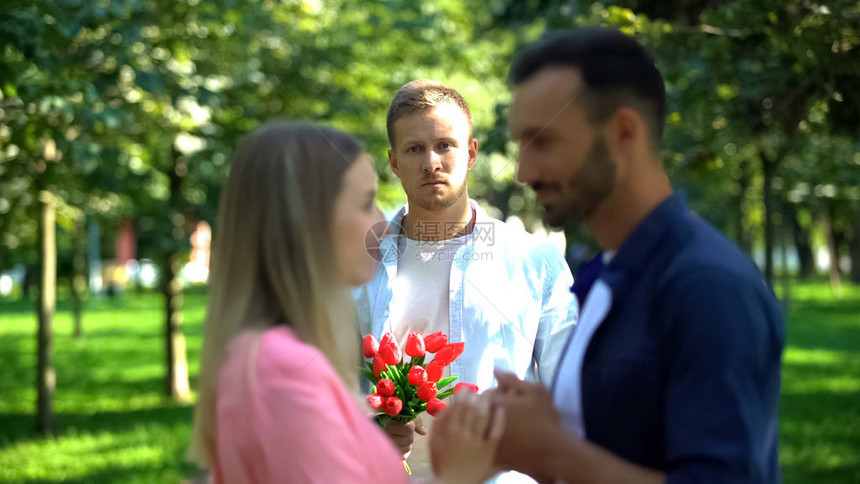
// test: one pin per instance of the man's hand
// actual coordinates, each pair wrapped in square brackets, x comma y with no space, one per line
[532,423]
[535,443]
[404,434]
[465,438]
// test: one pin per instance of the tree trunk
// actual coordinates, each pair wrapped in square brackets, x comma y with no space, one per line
[45,377]
[768,169]
[77,306]
[839,239]
[30,278]
[78,280]
[744,240]
[785,239]
[94,255]
[801,237]
[855,250]
[833,250]
[176,381]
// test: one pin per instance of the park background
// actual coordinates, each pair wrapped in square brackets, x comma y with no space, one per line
[117,122]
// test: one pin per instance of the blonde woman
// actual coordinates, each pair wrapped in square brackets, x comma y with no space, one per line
[278,392]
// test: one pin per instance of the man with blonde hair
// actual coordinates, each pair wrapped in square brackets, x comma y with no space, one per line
[447,266]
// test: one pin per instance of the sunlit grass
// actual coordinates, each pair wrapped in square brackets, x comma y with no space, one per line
[87,456]
[820,406]
[115,425]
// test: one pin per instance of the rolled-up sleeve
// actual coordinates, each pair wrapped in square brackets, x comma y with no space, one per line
[559,312]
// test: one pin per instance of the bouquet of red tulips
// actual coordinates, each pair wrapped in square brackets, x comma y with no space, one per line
[403,389]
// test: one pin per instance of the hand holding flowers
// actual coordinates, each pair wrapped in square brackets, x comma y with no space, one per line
[404,389]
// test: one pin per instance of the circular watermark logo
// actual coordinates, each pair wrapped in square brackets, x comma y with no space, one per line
[376,248]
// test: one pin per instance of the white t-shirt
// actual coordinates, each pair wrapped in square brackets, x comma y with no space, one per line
[420,293]
[420,302]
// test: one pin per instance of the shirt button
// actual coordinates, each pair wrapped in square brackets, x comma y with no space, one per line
[385,313]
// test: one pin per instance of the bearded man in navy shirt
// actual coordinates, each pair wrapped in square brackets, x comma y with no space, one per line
[673,373]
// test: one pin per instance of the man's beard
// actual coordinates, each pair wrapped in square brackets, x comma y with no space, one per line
[582,193]
[438,204]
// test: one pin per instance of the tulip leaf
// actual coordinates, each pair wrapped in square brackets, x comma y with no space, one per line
[369,375]
[382,420]
[445,382]
[398,375]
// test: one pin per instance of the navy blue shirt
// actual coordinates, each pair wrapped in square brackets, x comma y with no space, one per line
[683,375]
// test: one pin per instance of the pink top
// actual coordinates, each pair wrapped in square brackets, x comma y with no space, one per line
[285,416]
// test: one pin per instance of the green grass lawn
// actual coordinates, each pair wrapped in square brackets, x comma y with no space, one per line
[820,407]
[116,426]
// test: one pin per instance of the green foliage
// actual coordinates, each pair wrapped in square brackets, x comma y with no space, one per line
[748,83]
[129,95]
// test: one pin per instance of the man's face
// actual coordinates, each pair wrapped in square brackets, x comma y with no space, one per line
[432,154]
[562,157]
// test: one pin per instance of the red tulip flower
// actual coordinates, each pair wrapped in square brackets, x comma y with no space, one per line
[417,375]
[415,345]
[435,341]
[434,371]
[376,401]
[390,354]
[449,353]
[378,365]
[387,339]
[369,346]
[427,391]
[435,406]
[389,350]
[393,406]
[385,387]
[471,387]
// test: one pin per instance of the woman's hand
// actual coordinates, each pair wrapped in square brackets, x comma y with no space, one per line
[464,440]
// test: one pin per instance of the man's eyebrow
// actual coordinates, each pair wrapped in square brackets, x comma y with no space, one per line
[409,142]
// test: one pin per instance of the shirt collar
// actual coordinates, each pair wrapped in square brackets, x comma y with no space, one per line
[481,217]
[636,250]
[647,237]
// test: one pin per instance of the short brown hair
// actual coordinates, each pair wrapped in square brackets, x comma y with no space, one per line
[617,71]
[420,96]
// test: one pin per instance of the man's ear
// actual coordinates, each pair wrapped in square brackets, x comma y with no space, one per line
[392,160]
[473,153]
[623,132]
[631,127]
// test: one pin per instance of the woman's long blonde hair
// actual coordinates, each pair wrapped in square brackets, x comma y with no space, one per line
[273,258]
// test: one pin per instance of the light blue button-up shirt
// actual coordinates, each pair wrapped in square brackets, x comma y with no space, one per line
[510,301]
